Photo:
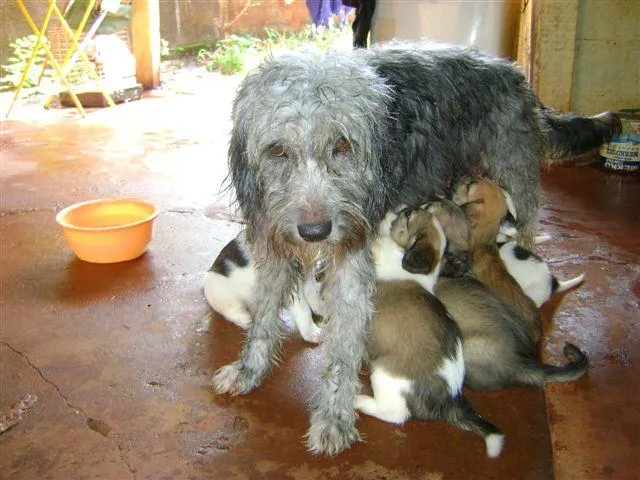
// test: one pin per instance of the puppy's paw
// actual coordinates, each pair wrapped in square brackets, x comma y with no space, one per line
[364,403]
[331,436]
[238,314]
[232,379]
[312,333]
[384,228]
[243,322]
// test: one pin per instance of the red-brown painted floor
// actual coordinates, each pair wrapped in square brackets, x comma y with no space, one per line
[120,356]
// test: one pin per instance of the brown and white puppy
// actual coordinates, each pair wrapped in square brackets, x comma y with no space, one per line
[498,351]
[414,348]
[485,207]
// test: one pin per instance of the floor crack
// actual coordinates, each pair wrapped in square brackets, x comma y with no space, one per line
[87,419]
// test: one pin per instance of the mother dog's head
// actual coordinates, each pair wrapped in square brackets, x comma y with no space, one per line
[307,150]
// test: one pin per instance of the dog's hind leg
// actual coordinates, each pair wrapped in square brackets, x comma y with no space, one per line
[264,337]
[349,291]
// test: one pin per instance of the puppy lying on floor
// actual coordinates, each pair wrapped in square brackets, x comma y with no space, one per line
[498,348]
[528,269]
[533,275]
[229,283]
[414,349]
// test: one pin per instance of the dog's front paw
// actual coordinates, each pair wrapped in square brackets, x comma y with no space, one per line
[331,436]
[232,379]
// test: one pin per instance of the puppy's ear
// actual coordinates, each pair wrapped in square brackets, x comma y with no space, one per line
[421,257]
[510,205]
[454,263]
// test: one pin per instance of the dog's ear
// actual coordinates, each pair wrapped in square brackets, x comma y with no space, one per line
[421,257]
[243,177]
[454,263]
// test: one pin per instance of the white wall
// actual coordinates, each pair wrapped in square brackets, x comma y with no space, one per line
[490,25]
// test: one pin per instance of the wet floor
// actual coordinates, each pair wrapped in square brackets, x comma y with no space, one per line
[120,356]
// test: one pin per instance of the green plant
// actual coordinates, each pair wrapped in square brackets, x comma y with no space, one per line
[234,53]
[228,57]
[321,37]
[21,52]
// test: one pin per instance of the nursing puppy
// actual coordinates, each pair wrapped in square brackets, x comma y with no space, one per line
[485,208]
[323,144]
[498,349]
[414,348]
[455,225]
[228,288]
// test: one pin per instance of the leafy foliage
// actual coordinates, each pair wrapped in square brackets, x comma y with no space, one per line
[21,52]
[232,54]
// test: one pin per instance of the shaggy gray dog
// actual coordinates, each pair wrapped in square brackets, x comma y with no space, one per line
[324,144]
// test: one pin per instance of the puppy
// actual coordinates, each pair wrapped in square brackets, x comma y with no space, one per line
[498,350]
[229,283]
[529,270]
[533,275]
[453,220]
[485,207]
[394,249]
[414,348]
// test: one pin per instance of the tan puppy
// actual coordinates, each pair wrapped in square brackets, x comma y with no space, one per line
[485,207]
[456,228]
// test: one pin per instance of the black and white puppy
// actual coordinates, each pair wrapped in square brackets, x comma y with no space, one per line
[228,288]
[528,269]
[533,275]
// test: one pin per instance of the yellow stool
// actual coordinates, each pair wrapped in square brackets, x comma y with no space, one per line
[76,50]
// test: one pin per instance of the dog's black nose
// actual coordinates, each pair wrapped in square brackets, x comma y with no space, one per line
[315,232]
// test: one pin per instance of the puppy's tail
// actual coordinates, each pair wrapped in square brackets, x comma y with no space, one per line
[462,415]
[564,285]
[569,136]
[540,374]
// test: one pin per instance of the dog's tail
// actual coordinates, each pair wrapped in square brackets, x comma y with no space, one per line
[462,415]
[540,374]
[569,136]
[564,285]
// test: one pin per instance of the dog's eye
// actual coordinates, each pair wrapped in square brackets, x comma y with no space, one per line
[277,150]
[406,212]
[342,146]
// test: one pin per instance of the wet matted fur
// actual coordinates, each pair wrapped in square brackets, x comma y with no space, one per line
[323,144]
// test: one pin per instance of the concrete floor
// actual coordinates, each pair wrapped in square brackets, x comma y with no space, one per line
[120,356]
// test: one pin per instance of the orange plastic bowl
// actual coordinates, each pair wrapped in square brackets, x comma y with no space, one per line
[108,230]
